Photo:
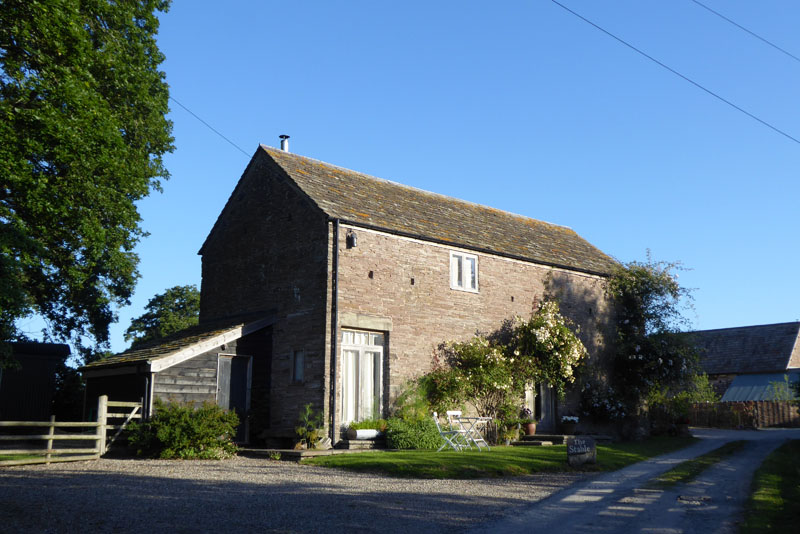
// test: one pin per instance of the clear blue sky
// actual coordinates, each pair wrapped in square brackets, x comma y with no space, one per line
[516,105]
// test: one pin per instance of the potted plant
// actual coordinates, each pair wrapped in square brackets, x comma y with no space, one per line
[528,421]
[309,428]
[568,424]
[370,429]
[510,432]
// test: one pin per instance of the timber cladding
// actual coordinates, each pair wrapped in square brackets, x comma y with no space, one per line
[191,381]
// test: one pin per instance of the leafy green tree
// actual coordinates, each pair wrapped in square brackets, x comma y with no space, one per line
[651,351]
[169,312]
[82,136]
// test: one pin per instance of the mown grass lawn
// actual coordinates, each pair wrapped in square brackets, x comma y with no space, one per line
[499,462]
[774,504]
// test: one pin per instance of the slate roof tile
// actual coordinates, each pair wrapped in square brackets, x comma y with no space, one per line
[365,200]
[749,349]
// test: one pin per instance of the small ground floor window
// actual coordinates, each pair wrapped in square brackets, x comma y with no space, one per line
[362,375]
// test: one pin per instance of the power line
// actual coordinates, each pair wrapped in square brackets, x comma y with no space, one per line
[676,73]
[773,45]
[193,114]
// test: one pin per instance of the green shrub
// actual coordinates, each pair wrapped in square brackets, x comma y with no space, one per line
[185,431]
[412,434]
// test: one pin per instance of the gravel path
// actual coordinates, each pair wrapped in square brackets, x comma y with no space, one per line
[249,495]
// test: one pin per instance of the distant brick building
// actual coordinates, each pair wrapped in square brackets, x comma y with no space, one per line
[328,286]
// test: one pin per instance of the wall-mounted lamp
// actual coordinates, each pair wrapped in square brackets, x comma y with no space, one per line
[351,239]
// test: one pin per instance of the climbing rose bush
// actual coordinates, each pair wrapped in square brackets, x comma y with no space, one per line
[492,376]
[545,349]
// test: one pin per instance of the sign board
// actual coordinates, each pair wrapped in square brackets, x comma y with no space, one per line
[581,450]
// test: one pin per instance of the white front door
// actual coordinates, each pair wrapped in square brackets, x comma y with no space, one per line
[362,375]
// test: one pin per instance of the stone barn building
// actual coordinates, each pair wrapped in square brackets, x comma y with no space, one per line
[323,285]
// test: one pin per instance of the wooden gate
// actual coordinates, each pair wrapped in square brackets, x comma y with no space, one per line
[69,436]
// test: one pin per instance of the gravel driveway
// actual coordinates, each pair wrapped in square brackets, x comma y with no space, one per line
[250,495]
[620,502]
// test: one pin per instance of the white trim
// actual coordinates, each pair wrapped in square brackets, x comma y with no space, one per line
[472,251]
[151,394]
[377,379]
[157,365]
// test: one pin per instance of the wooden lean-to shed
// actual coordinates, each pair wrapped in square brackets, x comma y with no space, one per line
[225,363]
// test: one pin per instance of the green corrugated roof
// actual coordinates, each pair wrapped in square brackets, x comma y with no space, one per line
[364,200]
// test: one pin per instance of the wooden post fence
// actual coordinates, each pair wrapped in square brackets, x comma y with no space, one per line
[87,431]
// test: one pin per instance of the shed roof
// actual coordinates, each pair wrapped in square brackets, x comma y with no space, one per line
[760,387]
[749,349]
[362,200]
[189,342]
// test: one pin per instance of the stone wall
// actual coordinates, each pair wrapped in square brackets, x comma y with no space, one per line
[405,284]
[268,253]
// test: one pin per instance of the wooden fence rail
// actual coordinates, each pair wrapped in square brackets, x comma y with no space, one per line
[745,414]
[72,436]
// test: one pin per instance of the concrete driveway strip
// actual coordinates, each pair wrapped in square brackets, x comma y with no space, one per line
[618,502]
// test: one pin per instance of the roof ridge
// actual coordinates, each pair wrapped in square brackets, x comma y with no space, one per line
[744,327]
[271,149]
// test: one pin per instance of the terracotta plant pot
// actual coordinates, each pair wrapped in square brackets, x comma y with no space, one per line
[530,428]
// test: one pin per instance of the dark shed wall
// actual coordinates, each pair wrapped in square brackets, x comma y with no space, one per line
[268,251]
[123,387]
[26,393]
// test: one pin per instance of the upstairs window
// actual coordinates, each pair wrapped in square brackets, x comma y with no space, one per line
[463,271]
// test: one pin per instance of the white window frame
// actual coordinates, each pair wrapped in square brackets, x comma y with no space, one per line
[468,280]
[362,349]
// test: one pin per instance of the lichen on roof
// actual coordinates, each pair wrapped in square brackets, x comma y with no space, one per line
[360,199]
[162,348]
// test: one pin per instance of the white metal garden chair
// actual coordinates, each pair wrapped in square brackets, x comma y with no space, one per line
[454,420]
[452,438]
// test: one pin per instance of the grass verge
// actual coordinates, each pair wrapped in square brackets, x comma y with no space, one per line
[688,470]
[500,461]
[773,504]
[12,457]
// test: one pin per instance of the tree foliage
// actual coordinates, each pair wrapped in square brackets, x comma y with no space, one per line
[173,310]
[82,135]
[651,352]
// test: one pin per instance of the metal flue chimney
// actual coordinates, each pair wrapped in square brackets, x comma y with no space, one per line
[284,142]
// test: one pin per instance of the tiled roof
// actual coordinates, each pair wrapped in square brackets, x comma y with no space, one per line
[748,349]
[371,202]
[162,348]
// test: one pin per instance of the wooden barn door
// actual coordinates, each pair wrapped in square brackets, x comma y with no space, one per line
[233,389]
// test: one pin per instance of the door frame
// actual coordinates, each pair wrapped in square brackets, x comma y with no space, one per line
[249,381]
[378,381]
